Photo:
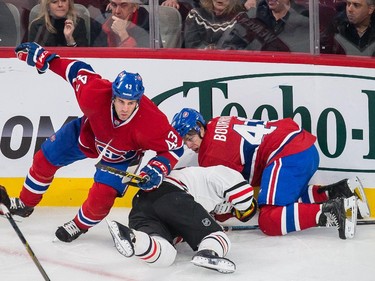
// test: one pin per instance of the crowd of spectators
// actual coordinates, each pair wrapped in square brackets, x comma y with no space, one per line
[345,26]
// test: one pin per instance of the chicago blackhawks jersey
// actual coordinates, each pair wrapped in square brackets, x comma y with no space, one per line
[214,185]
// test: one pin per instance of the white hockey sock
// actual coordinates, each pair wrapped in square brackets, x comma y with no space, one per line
[217,241]
[154,250]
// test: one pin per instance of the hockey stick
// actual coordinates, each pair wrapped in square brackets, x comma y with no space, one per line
[255,226]
[240,227]
[122,174]
[7,214]
[365,221]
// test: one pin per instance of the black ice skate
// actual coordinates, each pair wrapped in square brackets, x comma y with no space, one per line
[69,232]
[4,198]
[209,259]
[334,214]
[123,237]
[347,188]
[17,207]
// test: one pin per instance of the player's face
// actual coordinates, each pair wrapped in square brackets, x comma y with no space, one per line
[358,11]
[59,8]
[193,142]
[124,108]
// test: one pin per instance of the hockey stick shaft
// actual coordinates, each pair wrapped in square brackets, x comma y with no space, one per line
[255,226]
[24,241]
[121,173]
[240,227]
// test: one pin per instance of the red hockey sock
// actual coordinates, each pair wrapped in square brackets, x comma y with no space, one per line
[280,220]
[37,181]
[97,205]
[317,197]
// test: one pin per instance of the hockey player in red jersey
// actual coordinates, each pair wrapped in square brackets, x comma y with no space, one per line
[281,158]
[118,125]
[180,207]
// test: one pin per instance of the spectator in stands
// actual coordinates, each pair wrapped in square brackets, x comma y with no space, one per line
[355,29]
[24,7]
[286,19]
[126,26]
[226,25]
[58,25]
[209,26]
[7,26]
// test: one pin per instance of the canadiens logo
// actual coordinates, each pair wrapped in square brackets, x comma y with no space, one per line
[113,155]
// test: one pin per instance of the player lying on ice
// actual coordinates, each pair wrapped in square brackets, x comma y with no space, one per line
[180,208]
[118,125]
[281,158]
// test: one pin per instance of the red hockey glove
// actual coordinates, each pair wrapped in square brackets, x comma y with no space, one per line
[223,217]
[35,55]
[247,214]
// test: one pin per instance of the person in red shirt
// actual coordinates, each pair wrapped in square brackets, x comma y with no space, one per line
[119,124]
[128,24]
[281,158]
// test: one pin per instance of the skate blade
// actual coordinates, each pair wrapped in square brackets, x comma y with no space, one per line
[122,246]
[364,209]
[350,205]
[221,265]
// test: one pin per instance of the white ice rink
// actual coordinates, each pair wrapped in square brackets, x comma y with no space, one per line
[314,254]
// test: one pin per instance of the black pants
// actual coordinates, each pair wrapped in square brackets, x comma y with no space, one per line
[170,212]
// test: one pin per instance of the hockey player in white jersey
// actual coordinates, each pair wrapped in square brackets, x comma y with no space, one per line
[180,208]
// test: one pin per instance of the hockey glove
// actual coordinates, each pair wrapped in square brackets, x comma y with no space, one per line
[4,198]
[247,214]
[35,55]
[223,211]
[153,173]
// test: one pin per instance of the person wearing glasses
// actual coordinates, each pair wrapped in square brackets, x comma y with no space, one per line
[127,25]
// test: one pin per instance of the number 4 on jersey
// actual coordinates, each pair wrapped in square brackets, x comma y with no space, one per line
[253,133]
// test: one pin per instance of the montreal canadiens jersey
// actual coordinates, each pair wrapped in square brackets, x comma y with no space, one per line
[213,185]
[147,129]
[248,146]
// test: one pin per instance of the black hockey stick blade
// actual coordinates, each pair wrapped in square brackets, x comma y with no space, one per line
[7,214]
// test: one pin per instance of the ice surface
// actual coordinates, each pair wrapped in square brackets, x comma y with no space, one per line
[313,254]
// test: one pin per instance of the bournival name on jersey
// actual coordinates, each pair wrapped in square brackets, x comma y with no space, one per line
[221,128]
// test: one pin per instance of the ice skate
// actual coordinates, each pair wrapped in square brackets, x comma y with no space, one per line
[209,259]
[69,232]
[334,213]
[17,207]
[347,188]
[4,198]
[123,237]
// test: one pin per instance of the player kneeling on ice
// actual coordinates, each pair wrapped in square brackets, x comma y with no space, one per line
[180,208]
[280,158]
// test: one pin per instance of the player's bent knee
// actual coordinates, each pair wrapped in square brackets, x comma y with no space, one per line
[167,254]
[270,220]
